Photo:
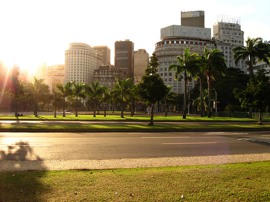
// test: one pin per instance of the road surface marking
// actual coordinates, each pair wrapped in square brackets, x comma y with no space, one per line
[165,137]
[188,143]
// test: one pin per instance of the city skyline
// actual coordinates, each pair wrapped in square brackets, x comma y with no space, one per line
[37,32]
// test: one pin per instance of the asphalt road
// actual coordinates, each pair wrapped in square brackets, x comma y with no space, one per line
[74,150]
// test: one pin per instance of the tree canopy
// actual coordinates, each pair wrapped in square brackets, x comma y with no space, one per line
[256,94]
[152,88]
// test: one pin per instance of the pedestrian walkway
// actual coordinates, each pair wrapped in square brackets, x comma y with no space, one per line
[9,165]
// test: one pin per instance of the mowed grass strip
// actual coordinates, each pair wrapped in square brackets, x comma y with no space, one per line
[136,127]
[229,182]
[157,117]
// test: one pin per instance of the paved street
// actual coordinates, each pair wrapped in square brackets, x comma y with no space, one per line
[109,150]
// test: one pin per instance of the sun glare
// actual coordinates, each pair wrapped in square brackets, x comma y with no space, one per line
[25,64]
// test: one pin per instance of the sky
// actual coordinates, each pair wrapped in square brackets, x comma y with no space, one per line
[34,32]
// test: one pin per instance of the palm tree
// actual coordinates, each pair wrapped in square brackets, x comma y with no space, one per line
[122,90]
[186,65]
[213,64]
[254,51]
[77,91]
[94,92]
[65,91]
[56,101]
[40,91]
[16,89]
[201,101]
[105,98]
[199,75]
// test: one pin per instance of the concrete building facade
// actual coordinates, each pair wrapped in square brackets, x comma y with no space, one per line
[105,53]
[141,61]
[192,19]
[80,62]
[174,39]
[107,75]
[55,75]
[227,36]
[124,58]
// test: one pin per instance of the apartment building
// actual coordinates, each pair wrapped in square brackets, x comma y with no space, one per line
[227,36]
[107,75]
[80,62]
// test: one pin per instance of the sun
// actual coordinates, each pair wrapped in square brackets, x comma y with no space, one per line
[25,64]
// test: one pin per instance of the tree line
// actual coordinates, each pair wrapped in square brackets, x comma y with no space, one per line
[234,88]
[247,91]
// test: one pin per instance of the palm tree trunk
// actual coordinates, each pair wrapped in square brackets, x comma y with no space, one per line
[35,109]
[54,110]
[122,105]
[185,96]
[132,107]
[105,111]
[152,115]
[250,68]
[64,107]
[76,107]
[209,108]
[94,115]
[122,109]
[201,98]
[260,118]
[166,107]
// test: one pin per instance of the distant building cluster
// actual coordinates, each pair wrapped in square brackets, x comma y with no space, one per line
[86,64]
[193,35]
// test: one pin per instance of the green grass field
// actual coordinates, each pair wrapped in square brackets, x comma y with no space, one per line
[121,127]
[135,123]
[230,182]
[158,117]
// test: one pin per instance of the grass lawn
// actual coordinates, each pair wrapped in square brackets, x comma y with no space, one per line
[139,126]
[129,127]
[229,182]
[135,123]
[170,118]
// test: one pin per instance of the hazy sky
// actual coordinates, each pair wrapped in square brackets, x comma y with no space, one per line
[36,31]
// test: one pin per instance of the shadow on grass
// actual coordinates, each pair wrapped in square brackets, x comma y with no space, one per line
[21,171]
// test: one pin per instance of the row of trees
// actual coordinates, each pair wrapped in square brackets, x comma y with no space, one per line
[209,69]
[211,65]
[257,92]
[192,65]
[35,96]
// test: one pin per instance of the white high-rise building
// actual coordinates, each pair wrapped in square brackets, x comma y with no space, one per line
[80,62]
[227,36]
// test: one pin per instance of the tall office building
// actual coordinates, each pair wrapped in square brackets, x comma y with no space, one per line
[80,62]
[227,36]
[105,53]
[174,39]
[141,61]
[124,58]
